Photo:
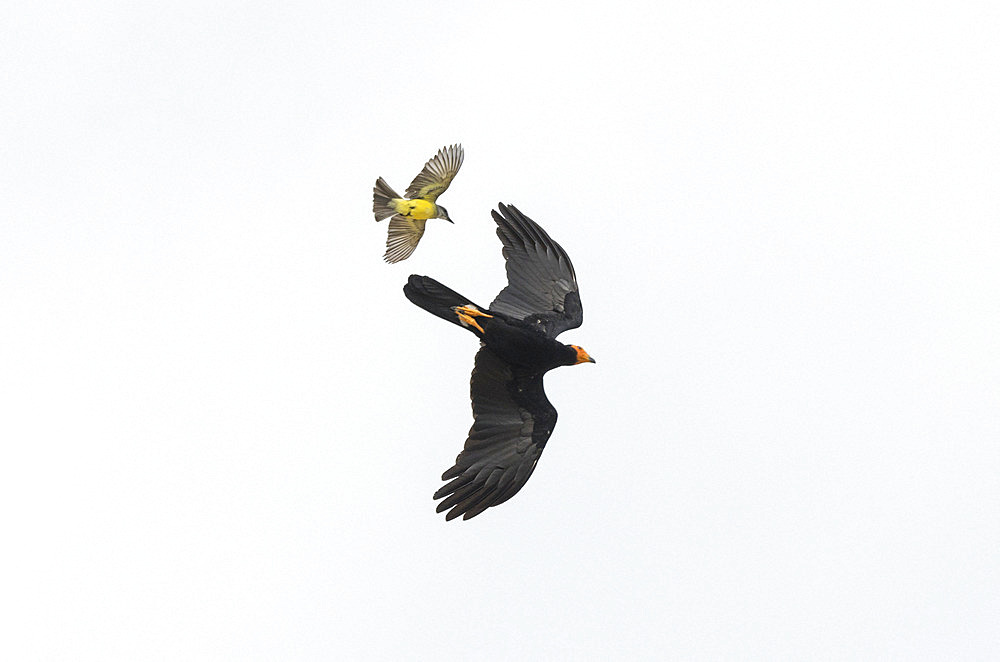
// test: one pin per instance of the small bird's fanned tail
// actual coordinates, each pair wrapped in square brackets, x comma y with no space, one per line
[382,196]
[435,298]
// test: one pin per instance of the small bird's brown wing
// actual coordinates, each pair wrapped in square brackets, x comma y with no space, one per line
[541,281]
[437,174]
[513,421]
[404,235]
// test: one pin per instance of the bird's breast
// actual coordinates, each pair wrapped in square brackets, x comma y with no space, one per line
[521,346]
[420,210]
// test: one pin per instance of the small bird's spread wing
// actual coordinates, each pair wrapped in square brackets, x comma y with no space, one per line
[437,174]
[404,235]
[541,282]
[513,420]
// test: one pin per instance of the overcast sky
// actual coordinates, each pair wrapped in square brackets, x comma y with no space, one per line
[222,422]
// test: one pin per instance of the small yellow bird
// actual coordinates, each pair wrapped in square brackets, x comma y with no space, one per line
[410,214]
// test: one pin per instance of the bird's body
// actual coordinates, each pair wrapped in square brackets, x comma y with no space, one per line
[513,416]
[420,210]
[410,214]
[519,344]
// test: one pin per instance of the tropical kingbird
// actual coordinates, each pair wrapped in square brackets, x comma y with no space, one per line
[410,214]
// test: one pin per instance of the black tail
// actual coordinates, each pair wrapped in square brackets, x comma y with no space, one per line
[435,298]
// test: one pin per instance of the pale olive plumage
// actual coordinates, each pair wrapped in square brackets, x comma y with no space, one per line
[410,214]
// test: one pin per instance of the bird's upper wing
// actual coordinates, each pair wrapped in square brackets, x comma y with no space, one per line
[541,282]
[513,420]
[404,235]
[437,174]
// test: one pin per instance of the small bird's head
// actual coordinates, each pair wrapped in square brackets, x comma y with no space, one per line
[443,213]
[582,356]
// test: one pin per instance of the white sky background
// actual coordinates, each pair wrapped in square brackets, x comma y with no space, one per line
[222,422]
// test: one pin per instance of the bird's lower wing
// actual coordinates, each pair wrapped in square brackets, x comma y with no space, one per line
[404,235]
[513,421]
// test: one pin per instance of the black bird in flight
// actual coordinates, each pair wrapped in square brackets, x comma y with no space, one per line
[513,418]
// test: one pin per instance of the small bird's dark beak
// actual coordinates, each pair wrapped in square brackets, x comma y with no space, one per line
[450,221]
[592,360]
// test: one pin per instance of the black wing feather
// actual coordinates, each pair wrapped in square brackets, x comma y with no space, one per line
[513,421]
[542,286]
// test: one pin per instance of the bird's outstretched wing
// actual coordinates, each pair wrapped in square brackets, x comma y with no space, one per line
[541,282]
[513,420]
[404,235]
[437,174]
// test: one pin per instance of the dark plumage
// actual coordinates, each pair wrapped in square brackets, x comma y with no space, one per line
[513,417]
